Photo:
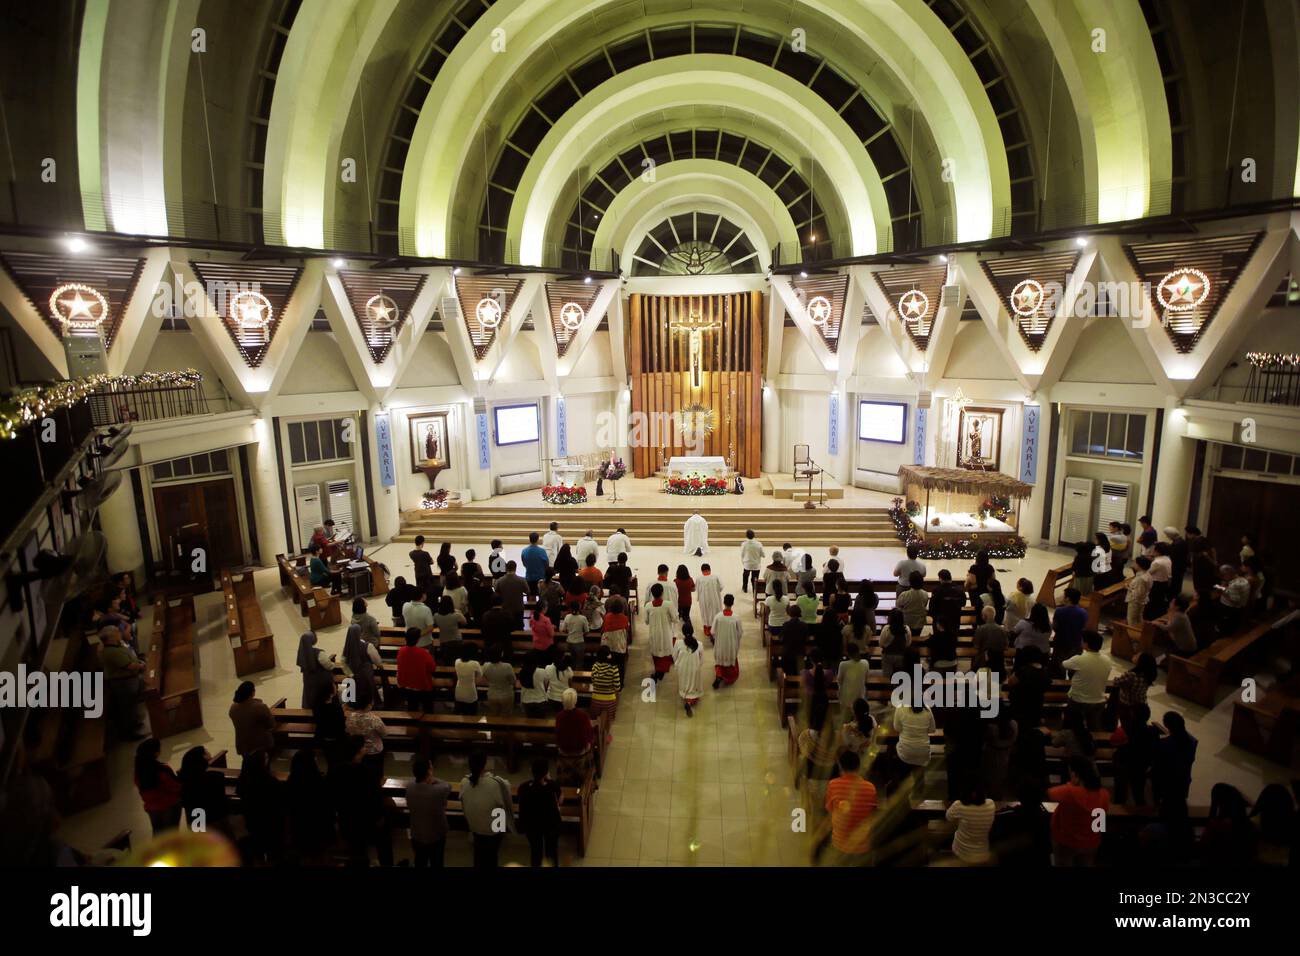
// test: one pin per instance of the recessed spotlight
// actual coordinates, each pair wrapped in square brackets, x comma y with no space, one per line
[803,275]
[587,279]
[1081,242]
[456,271]
[942,257]
[338,263]
[76,244]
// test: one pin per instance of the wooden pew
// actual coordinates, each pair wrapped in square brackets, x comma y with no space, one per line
[1062,577]
[1270,726]
[1196,678]
[411,730]
[251,640]
[65,746]
[318,605]
[1098,600]
[171,674]
[444,684]
[576,804]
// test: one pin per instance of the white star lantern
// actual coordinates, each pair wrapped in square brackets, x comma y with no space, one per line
[1183,290]
[78,307]
[382,311]
[488,311]
[913,305]
[251,312]
[819,310]
[1026,297]
[571,316]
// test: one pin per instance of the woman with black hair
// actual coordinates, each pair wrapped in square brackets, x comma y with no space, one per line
[532,685]
[1228,838]
[817,743]
[539,814]
[895,638]
[262,803]
[203,793]
[1081,567]
[252,720]
[160,788]
[867,600]
[1035,630]
[1074,836]
[488,808]
[685,593]
[973,815]
[565,566]
[311,812]
[1135,742]
[1103,571]
[446,561]
[978,576]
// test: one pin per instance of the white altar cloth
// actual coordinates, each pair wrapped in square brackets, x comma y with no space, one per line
[709,466]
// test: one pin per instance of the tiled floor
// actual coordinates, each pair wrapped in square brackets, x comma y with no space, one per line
[710,790]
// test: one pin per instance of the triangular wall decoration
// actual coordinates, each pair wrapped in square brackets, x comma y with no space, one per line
[381,303]
[1187,281]
[485,302]
[263,287]
[913,293]
[38,275]
[1032,288]
[561,300]
[823,298]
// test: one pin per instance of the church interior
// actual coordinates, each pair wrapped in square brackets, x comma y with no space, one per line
[596,433]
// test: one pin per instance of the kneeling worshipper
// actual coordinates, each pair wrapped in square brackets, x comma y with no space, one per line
[726,645]
[690,662]
[696,533]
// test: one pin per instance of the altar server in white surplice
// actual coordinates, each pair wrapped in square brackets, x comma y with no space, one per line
[688,659]
[708,589]
[696,533]
[726,645]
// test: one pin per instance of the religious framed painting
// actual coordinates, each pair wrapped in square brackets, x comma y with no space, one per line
[428,441]
[979,437]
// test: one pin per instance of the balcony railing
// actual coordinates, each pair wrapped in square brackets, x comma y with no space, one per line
[115,406]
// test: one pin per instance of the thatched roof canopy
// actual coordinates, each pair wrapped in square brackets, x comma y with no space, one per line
[963,481]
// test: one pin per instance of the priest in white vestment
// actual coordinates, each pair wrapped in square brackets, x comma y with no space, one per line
[708,589]
[688,662]
[552,541]
[617,543]
[726,644]
[586,545]
[696,533]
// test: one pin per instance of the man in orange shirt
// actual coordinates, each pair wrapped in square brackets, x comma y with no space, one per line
[850,801]
[591,574]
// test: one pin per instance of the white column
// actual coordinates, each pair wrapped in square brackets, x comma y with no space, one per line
[1173,471]
[771,429]
[267,496]
[118,519]
[622,409]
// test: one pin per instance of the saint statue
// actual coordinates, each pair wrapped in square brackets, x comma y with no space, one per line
[975,441]
[430,444]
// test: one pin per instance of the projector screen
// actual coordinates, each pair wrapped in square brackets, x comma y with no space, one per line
[516,424]
[882,421]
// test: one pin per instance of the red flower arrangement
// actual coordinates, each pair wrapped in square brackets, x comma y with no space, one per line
[564,494]
[697,486]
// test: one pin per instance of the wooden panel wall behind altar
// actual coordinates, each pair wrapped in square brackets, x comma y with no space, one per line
[696,360]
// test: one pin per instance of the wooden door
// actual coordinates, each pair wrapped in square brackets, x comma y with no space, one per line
[1269,512]
[205,510]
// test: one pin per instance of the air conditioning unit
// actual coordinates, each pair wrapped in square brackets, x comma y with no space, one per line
[950,297]
[85,355]
[1076,511]
[1112,503]
[308,506]
[339,494]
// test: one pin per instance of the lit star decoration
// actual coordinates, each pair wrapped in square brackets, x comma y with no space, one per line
[913,305]
[251,311]
[78,306]
[819,310]
[1026,297]
[571,316]
[488,311]
[1183,290]
[383,311]
[29,405]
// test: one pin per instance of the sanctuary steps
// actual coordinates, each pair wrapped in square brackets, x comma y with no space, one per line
[822,527]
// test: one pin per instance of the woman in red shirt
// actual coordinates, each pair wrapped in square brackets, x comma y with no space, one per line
[159,787]
[416,670]
[685,592]
[574,735]
[543,629]
[1076,833]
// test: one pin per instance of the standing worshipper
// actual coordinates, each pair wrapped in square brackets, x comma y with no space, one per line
[362,658]
[690,663]
[423,562]
[614,630]
[751,560]
[696,535]
[587,545]
[685,585]
[317,672]
[489,811]
[660,617]
[708,588]
[536,561]
[1178,560]
[552,541]
[496,561]
[726,644]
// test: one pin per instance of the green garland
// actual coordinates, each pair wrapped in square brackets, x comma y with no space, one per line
[28,405]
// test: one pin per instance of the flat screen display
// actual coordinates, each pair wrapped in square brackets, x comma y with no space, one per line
[516,424]
[882,421]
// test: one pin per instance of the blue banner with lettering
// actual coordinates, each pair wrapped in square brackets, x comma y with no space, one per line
[561,429]
[1029,444]
[918,449]
[484,460]
[833,442]
[384,441]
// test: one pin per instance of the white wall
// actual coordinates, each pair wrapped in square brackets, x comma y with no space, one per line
[1105,353]
[432,363]
[975,355]
[318,366]
[173,351]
